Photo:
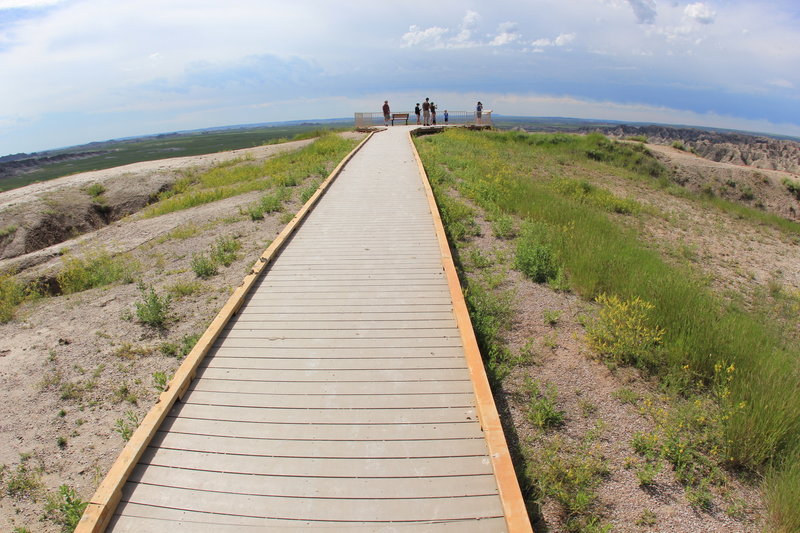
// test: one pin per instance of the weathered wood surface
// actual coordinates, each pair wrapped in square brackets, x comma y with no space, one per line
[339,397]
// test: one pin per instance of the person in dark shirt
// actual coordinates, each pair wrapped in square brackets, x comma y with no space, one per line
[433,113]
[426,113]
[386,113]
[417,112]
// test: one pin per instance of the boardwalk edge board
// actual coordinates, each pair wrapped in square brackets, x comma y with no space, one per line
[101,507]
[513,503]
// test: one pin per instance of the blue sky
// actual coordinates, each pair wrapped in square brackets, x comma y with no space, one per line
[75,71]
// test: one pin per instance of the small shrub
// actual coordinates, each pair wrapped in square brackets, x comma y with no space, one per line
[153,310]
[747,193]
[160,381]
[95,189]
[270,203]
[125,394]
[536,261]
[647,519]
[126,426]
[477,259]
[792,186]
[203,266]
[503,227]
[12,294]
[624,332]
[626,396]
[678,145]
[65,508]
[224,250]
[309,191]
[542,410]
[551,316]
[648,472]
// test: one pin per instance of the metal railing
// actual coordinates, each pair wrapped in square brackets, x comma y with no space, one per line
[366,120]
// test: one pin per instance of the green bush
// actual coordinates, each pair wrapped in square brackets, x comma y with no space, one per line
[95,189]
[536,260]
[12,294]
[792,186]
[152,310]
[224,250]
[625,331]
[66,508]
[203,266]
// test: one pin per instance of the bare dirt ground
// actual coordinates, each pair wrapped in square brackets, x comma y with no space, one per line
[74,370]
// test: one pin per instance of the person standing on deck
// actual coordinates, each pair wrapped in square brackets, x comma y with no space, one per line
[417,112]
[426,113]
[478,112]
[386,112]
[433,113]
[446,117]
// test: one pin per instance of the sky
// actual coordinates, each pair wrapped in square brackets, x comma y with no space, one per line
[76,71]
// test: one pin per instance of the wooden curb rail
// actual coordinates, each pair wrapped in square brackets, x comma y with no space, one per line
[513,503]
[101,507]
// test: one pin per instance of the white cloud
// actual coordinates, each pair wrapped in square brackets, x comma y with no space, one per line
[507,33]
[468,24]
[700,12]
[645,11]
[429,36]
[562,40]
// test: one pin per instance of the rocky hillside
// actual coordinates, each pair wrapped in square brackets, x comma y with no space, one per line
[724,147]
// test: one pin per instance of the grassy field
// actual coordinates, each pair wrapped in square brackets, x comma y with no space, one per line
[162,147]
[654,315]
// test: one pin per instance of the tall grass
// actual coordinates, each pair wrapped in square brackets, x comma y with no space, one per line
[12,294]
[95,269]
[241,176]
[515,173]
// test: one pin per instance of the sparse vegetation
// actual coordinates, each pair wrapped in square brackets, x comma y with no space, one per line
[236,177]
[126,426]
[160,381]
[65,508]
[95,269]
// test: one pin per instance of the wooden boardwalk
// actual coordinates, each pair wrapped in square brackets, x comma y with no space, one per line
[339,396]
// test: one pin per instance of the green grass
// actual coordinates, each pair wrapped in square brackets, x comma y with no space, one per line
[518,174]
[162,147]
[12,294]
[95,269]
[241,176]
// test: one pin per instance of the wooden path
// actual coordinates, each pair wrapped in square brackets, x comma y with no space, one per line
[340,396]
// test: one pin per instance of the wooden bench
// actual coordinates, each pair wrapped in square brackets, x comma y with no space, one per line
[399,116]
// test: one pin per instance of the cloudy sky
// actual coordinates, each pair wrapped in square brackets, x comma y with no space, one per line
[74,71]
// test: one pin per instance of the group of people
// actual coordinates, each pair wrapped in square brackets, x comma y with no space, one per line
[427,112]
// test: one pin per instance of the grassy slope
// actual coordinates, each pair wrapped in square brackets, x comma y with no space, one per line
[515,174]
[159,147]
